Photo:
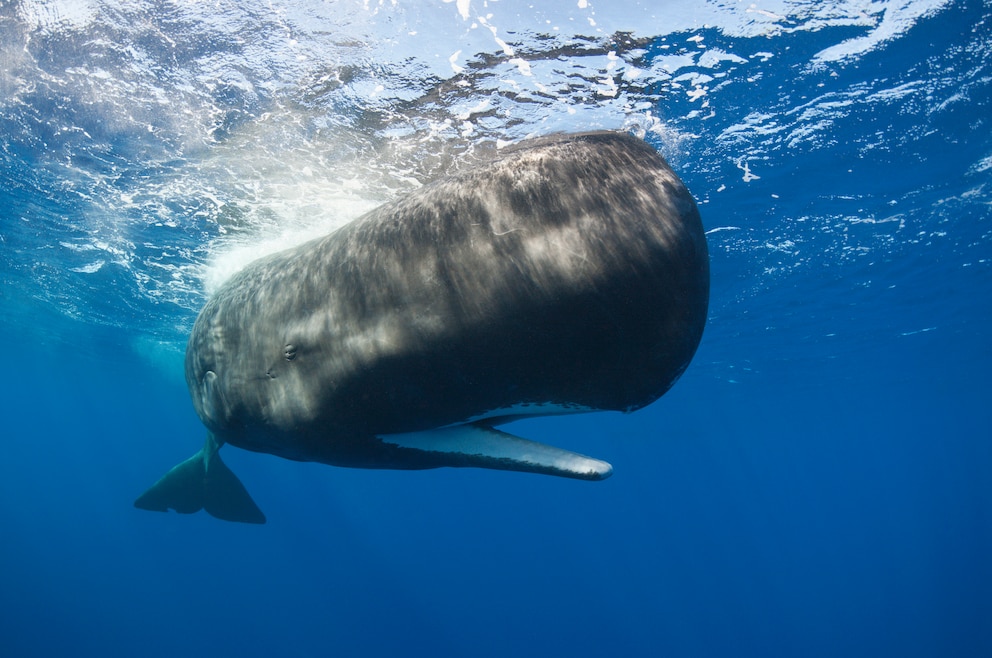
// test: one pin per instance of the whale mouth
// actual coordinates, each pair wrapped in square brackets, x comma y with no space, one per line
[523,410]
[482,446]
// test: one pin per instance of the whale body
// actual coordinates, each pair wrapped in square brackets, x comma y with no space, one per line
[568,275]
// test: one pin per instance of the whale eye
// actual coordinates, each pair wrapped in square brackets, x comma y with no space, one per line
[289,352]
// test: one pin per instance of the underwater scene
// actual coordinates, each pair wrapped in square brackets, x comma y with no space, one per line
[817,482]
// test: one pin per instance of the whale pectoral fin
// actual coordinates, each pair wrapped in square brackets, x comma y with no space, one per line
[484,447]
[202,482]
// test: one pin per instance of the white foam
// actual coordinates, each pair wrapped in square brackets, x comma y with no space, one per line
[233,256]
[48,15]
[748,176]
[897,18]
[89,268]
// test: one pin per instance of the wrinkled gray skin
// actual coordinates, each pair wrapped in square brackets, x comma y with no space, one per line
[572,270]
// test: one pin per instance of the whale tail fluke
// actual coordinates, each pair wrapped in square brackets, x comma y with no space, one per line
[202,482]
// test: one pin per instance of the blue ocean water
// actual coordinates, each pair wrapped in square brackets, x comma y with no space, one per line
[816,484]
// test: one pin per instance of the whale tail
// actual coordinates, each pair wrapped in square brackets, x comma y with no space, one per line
[202,482]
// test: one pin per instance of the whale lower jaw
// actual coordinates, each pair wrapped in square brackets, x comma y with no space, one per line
[481,446]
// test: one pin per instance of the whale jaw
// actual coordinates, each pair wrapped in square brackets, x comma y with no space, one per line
[481,446]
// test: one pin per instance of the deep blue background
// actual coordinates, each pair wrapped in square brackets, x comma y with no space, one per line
[817,484]
[837,507]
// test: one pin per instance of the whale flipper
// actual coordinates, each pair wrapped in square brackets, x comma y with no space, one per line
[482,446]
[202,482]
